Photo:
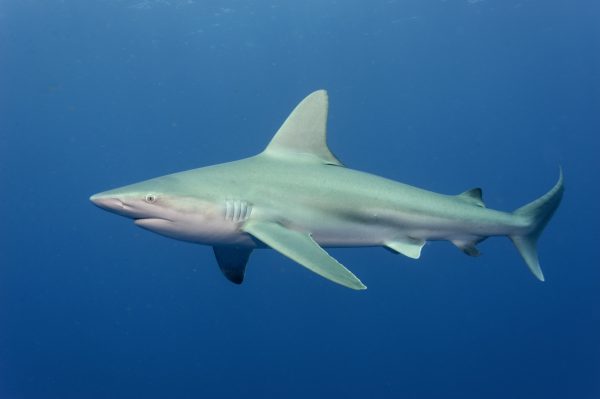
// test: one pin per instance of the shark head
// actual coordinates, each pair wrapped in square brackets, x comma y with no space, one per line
[156,206]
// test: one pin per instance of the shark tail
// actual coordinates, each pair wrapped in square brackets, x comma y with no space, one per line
[537,213]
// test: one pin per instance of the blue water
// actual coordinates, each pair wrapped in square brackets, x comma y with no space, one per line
[445,95]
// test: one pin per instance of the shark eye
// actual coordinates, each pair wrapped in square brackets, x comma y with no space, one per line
[150,198]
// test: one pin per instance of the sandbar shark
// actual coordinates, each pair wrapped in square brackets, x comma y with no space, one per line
[298,198]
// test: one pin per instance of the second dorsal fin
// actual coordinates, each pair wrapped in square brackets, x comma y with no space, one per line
[304,132]
[473,196]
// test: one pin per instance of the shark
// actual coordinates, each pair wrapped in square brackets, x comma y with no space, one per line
[298,198]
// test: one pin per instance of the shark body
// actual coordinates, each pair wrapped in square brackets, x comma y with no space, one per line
[297,198]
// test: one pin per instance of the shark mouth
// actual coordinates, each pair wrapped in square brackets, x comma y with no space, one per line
[150,221]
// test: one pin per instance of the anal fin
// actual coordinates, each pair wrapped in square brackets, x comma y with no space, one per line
[301,248]
[468,247]
[232,261]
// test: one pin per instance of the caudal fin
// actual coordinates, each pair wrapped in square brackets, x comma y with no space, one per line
[538,214]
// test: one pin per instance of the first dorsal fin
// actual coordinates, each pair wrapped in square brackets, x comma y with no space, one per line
[304,132]
[473,196]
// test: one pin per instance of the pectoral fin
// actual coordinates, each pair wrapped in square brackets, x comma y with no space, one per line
[301,248]
[232,261]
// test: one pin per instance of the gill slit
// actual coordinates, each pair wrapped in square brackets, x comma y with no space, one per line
[237,210]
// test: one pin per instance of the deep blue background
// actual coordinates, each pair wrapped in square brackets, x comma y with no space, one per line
[445,95]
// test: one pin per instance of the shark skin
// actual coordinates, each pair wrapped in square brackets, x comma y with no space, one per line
[298,198]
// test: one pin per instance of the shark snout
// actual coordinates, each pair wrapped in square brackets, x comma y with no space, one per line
[106,202]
